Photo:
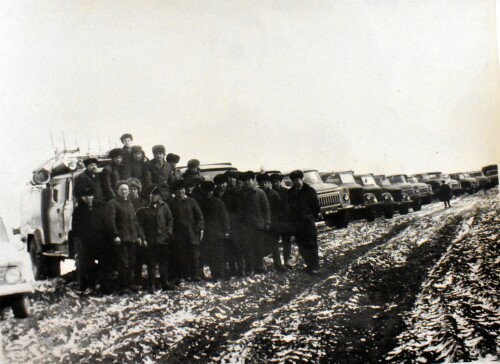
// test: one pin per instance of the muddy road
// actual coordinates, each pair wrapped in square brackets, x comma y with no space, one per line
[417,288]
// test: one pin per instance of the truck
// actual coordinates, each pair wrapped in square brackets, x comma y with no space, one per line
[47,205]
[423,190]
[405,194]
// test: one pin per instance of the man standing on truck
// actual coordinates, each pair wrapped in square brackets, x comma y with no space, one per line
[114,172]
[124,230]
[90,179]
[304,209]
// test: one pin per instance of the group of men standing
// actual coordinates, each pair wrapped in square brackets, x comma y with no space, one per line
[138,211]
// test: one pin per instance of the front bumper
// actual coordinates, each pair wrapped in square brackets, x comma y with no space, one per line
[21,288]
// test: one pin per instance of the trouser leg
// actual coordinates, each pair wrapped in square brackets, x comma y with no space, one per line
[287,247]
[247,242]
[151,254]
[275,249]
[194,260]
[259,249]
[163,263]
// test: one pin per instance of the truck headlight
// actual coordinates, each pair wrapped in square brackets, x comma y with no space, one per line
[387,197]
[406,197]
[13,276]
[370,197]
[346,196]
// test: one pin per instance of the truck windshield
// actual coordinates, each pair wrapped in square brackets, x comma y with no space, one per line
[435,175]
[491,172]
[412,180]
[347,178]
[397,179]
[464,175]
[477,174]
[368,180]
[3,233]
[312,178]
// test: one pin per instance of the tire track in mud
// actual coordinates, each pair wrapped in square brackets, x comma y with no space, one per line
[353,316]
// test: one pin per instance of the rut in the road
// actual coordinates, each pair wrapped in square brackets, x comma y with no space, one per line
[212,337]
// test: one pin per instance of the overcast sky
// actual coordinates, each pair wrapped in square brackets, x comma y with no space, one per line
[372,86]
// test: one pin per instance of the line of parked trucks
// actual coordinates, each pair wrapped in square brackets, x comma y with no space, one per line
[48,201]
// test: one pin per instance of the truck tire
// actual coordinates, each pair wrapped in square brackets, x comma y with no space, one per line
[53,267]
[342,220]
[403,210]
[388,212]
[37,260]
[20,306]
[417,205]
[370,214]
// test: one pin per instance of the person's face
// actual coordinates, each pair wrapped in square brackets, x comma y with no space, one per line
[209,194]
[221,187]
[189,190]
[135,192]
[92,168]
[118,160]
[276,184]
[127,142]
[231,181]
[267,185]
[159,156]
[297,182]
[123,191]
[248,183]
[155,197]
[88,199]
[138,156]
[180,192]
[193,169]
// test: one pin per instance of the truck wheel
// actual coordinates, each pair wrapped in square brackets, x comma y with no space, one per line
[53,267]
[389,212]
[20,306]
[417,205]
[370,215]
[37,260]
[342,220]
[403,210]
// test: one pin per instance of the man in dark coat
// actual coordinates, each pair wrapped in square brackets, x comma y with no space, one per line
[161,172]
[193,172]
[445,193]
[272,236]
[304,209]
[124,230]
[157,225]
[174,172]
[139,168]
[90,179]
[255,215]
[233,249]
[114,172]
[140,251]
[127,141]
[284,217]
[188,231]
[89,238]
[216,221]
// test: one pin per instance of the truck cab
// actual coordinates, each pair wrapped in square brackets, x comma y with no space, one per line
[404,193]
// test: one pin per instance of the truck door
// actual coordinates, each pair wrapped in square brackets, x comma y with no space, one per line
[68,207]
[56,212]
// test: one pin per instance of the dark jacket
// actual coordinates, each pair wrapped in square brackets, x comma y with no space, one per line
[110,175]
[121,220]
[285,207]
[231,199]
[275,206]
[216,219]
[445,192]
[197,177]
[138,203]
[92,180]
[88,223]
[188,219]
[163,175]
[156,222]
[254,207]
[140,171]
[304,204]
[127,155]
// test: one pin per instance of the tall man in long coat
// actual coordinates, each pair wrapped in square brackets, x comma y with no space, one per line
[188,231]
[157,224]
[90,178]
[255,215]
[162,172]
[304,209]
[124,230]
[114,172]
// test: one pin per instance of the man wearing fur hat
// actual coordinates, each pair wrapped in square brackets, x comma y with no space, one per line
[138,167]
[255,215]
[188,231]
[304,209]
[125,232]
[161,171]
[284,217]
[90,179]
[114,172]
[216,221]
[127,141]
[157,224]
[138,202]
[193,171]
[272,236]
[89,238]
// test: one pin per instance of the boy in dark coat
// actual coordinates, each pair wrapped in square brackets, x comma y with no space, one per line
[272,237]
[124,230]
[90,179]
[304,209]
[216,221]
[233,248]
[255,215]
[188,231]
[89,238]
[157,225]
[114,172]
[284,217]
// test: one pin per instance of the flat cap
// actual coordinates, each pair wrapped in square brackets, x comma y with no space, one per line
[296,174]
[88,161]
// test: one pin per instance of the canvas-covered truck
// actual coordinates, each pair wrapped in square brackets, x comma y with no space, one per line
[47,205]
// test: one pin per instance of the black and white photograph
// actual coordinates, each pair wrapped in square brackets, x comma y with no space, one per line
[249,181]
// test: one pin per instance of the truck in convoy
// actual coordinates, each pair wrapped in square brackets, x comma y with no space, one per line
[469,184]
[334,201]
[422,190]
[406,195]
[392,198]
[47,205]
[491,172]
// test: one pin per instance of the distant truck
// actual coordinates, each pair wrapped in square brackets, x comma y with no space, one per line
[209,171]
[46,211]
[491,172]
[406,195]
[483,181]
[469,184]
[431,178]
[392,197]
[334,201]
[423,190]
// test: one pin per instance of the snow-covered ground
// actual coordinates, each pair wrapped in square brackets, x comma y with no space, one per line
[422,287]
